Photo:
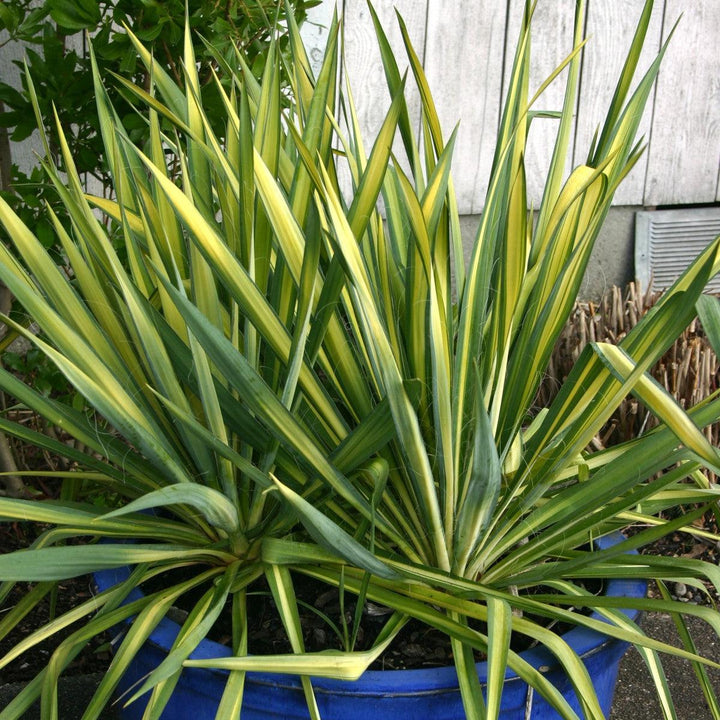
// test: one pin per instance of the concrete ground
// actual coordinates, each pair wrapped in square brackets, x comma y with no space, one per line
[634,696]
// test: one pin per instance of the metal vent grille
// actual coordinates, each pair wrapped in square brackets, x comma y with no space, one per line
[666,242]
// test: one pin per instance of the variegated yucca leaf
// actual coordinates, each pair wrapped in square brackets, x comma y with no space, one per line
[293,371]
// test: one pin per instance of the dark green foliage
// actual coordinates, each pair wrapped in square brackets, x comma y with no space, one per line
[35,370]
[55,31]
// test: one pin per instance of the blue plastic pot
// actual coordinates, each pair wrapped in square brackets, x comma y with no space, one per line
[392,694]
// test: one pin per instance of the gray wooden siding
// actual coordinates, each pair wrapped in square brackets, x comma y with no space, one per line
[466,47]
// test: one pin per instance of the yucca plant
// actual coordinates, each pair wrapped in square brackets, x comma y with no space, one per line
[304,386]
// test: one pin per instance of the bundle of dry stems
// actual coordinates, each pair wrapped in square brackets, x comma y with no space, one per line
[689,369]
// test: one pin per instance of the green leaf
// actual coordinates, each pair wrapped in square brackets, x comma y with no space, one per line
[193,631]
[75,15]
[470,688]
[499,636]
[283,592]
[60,563]
[88,519]
[156,608]
[482,488]
[394,82]
[331,537]
[708,310]
[661,403]
[232,698]
[216,508]
[328,663]
[9,19]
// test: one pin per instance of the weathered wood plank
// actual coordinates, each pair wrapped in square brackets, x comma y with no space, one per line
[553,40]
[363,63]
[610,30]
[464,60]
[464,66]
[685,143]
[23,153]
[314,33]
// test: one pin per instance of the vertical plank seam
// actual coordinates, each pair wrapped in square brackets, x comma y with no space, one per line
[648,146]
[424,66]
[425,35]
[85,49]
[586,23]
[477,205]
[504,64]
[342,69]
[422,55]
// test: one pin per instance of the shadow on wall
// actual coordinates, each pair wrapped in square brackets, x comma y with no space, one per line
[611,262]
